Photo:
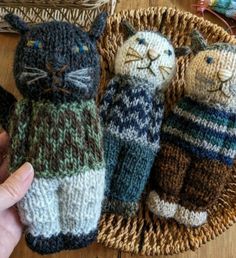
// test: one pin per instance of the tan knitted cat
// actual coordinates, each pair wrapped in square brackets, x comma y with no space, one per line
[198,138]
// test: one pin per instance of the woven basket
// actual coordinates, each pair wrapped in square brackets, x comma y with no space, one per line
[80,12]
[145,233]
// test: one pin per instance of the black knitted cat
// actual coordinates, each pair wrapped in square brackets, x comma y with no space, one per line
[56,128]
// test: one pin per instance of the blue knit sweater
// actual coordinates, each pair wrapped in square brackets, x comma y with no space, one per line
[202,130]
[132,111]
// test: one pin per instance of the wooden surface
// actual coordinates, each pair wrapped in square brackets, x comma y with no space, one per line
[222,247]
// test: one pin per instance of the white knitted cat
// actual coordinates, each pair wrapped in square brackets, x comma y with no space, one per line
[132,110]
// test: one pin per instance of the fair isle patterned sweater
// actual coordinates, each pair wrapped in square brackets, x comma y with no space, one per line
[132,111]
[202,130]
[58,140]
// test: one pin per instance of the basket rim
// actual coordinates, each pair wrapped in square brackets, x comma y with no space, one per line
[55,4]
[165,8]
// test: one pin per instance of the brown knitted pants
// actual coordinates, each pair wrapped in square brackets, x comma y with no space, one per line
[184,186]
[171,166]
[194,183]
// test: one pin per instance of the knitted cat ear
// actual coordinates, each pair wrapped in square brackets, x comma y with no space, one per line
[182,51]
[16,23]
[198,42]
[98,25]
[129,30]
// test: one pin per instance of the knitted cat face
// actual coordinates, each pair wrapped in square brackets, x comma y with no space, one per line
[211,75]
[57,60]
[147,55]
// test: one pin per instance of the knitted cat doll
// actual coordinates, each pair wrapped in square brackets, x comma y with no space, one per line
[198,139]
[131,111]
[56,128]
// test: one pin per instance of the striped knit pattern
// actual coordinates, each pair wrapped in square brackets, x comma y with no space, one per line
[202,130]
[59,140]
[132,111]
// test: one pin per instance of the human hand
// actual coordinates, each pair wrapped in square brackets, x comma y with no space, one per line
[11,191]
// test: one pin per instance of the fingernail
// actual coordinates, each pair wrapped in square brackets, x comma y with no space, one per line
[25,171]
[3,134]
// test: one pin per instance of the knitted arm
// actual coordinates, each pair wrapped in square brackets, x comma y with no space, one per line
[7,100]
[107,99]
[156,121]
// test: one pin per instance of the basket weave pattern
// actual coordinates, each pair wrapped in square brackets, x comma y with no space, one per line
[80,12]
[146,234]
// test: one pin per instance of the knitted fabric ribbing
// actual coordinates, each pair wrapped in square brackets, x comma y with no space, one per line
[60,140]
[132,111]
[211,132]
[128,167]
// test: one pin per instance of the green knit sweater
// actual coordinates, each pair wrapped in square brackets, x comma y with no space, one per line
[59,140]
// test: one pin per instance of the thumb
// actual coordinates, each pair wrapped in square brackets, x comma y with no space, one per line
[16,186]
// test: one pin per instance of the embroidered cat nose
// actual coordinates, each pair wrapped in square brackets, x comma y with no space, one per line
[55,61]
[225,74]
[152,54]
[56,71]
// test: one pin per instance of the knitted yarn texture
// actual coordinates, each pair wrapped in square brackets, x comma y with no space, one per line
[56,127]
[198,138]
[132,111]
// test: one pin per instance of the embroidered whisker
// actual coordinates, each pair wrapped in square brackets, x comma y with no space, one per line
[132,55]
[25,75]
[131,60]
[77,77]
[80,78]
[132,51]
[34,69]
[36,79]
[163,77]
[165,68]
[78,84]
[82,72]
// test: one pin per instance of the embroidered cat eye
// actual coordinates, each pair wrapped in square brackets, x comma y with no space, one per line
[80,48]
[141,41]
[36,44]
[168,52]
[209,59]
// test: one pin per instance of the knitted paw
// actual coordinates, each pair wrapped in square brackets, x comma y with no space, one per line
[160,207]
[189,217]
[126,209]
[44,245]
[79,241]
[53,244]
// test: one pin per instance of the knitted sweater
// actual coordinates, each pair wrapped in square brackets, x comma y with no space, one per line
[132,111]
[202,130]
[58,140]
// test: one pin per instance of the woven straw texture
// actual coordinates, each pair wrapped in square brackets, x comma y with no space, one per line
[146,234]
[80,12]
